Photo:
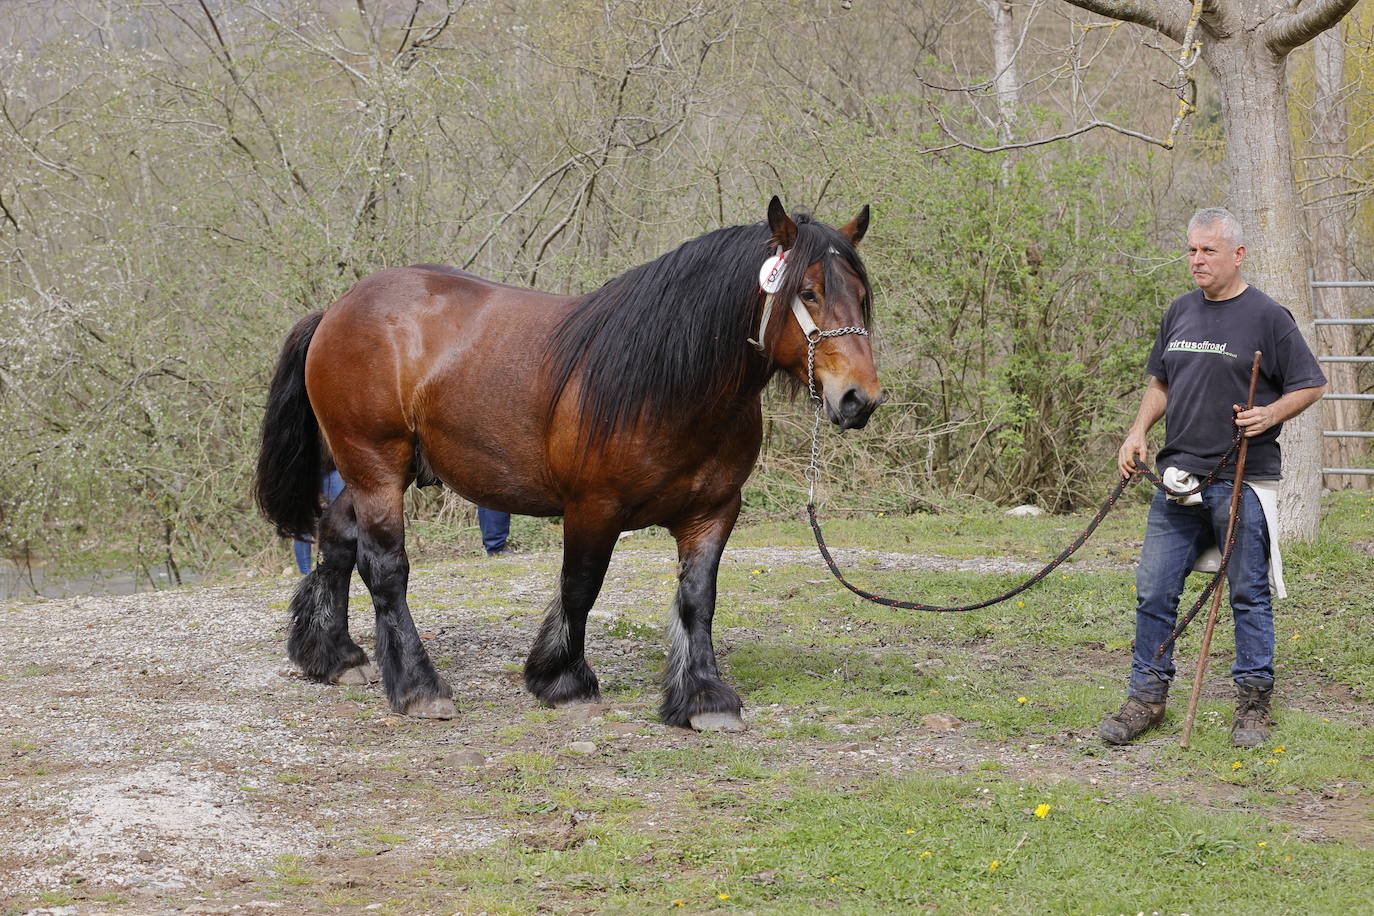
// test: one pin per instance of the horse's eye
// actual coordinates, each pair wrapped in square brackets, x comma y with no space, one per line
[808,295]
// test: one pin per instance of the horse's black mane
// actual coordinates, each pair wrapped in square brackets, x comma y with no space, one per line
[670,336]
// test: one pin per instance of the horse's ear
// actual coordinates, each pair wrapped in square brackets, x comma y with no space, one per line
[784,230]
[856,228]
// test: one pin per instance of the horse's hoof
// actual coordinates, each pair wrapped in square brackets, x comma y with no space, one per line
[717,722]
[432,708]
[359,676]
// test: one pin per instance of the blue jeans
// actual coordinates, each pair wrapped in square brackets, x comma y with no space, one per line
[495,529]
[331,485]
[1174,537]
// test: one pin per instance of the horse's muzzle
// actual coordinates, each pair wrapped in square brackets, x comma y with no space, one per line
[854,408]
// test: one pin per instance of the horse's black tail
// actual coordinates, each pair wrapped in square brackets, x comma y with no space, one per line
[287,485]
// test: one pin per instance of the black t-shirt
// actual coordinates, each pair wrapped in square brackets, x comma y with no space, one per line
[1203,354]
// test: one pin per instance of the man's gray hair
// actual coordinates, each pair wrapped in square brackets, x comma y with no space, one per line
[1219,216]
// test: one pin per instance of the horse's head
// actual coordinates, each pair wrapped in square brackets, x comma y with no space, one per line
[819,302]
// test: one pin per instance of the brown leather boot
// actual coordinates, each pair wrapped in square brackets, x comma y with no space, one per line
[1250,726]
[1127,723]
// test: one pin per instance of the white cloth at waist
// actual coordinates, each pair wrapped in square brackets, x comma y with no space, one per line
[1268,493]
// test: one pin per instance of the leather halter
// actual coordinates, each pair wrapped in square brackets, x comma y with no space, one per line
[808,326]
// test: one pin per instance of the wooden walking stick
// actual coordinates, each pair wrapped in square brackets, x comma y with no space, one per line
[1216,595]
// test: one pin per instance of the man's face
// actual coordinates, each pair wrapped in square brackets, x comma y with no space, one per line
[1214,261]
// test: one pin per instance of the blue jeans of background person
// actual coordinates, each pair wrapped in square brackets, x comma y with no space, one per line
[331,485]
[1174,537]
[495,529]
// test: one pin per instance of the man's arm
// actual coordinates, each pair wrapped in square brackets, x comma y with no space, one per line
[1257,419]
[1152,405]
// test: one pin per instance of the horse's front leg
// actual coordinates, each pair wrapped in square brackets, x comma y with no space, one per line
[557,671]
[413,687]
[693,693]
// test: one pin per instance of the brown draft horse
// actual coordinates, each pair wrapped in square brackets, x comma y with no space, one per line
[634,405]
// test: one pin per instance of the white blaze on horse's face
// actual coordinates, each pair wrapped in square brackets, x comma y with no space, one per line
[845,376]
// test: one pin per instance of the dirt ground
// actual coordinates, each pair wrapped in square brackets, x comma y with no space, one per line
[161,755]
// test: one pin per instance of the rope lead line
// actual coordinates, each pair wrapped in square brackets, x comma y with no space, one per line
[1067,552]
[813,475]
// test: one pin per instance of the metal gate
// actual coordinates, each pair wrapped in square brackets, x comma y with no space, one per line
[1316,284]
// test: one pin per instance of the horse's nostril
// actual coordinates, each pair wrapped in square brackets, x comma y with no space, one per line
[851,402]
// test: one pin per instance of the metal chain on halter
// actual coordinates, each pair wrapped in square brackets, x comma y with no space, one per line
[813,470]
[813,474]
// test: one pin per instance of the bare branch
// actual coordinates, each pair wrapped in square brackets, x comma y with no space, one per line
[1028,17]
[960,143]
[1152,14]
[524,199]
[406,57]
[9,216]
[226,60]
[352,71]
[1306,23]
[405,32]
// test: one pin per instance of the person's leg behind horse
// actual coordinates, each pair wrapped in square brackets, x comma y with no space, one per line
[556,670]
[694,695]
[302,549]
[331,485]
[495,527]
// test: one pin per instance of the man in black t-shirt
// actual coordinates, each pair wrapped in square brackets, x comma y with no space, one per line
[1199,378]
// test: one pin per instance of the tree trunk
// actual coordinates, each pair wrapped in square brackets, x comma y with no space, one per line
[1328,216]
[1262,194]
[1006,81]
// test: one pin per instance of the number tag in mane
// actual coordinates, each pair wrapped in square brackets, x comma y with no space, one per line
[771,273]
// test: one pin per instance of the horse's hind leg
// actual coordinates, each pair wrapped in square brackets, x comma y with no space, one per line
[557,671]
[319,641]
[412,685]
[693,693]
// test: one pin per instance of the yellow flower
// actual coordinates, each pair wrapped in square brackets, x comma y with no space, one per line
[926,854]
[833,879]
[1042,810]
[756,572]
[1236,765]
[1325,719]
[679,903]
[723,896]
[1262,845]
[1020,699]
[910,831]
[1272,760]
[1279,749]
[992,866]
[1020,604]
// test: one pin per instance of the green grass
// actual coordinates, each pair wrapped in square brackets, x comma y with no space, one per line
[755,837]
